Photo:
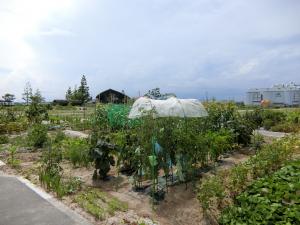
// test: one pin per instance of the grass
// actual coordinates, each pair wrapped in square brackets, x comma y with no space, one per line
[99,204]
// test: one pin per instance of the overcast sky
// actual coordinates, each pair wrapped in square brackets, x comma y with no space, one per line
[188,47]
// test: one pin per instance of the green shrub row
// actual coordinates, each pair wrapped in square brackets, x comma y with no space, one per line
[13,127]
[275,120]
[273,199]
[217,191]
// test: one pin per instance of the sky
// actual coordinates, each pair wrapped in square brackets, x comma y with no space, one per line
[193,48]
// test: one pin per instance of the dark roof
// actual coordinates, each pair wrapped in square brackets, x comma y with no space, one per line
[114,91]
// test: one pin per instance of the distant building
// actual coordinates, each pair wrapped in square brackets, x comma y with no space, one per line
[112,96]
[281,95]
[63,102]
[6,103]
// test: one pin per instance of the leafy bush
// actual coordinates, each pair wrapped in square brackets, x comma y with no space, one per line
[272,117]
[269,159]
[59,137]
[219,143]
[255,117]
[286,127]
[3,139]
[226,116]
[36,112]
[101,154]
[37,135]
[268,123]
[270,200]
[77,151]
[3,129]
[211,190]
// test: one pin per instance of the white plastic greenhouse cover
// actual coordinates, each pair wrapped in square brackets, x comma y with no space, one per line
[172,107]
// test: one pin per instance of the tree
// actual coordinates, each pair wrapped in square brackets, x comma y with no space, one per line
[38,96]
[27,93]
[69,94]
[83,91]
[9,98]
[154,93]
[80,94]
[36,111]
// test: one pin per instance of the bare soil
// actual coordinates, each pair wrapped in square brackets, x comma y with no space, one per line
[180,205]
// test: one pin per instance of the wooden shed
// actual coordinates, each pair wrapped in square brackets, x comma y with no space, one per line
[112,96]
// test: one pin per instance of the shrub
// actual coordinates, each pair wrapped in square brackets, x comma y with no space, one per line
[269,159]
[272,117]
[219,143]
[286,127]
[59,137]
[3,139]
[3,129]
[268,123]
[210,190]
[37,135]
[36,112]
[255,117]
[101,154]
[77,151]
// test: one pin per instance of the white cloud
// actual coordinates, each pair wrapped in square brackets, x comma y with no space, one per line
[187,47]
[19,21]
[248,67]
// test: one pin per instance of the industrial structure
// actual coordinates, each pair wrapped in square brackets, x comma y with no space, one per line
[278,95]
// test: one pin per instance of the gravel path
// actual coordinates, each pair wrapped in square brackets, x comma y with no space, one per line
[271,133]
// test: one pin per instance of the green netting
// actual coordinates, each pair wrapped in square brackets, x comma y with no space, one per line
[118,116]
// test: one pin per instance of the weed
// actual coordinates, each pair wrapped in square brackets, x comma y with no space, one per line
[12,157]
[99,204]
[77,151]
[257,140]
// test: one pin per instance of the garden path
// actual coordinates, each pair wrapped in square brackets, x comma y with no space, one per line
[22,204]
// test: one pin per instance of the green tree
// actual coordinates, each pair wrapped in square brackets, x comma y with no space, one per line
[27,93]
[154,93]
[36,111]
[69,94]
[83,94]
[80,94]
[9,98]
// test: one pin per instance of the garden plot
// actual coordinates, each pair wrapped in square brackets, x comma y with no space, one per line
[179,206]
[99,176]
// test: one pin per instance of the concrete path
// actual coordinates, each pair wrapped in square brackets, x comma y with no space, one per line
[271,133]
[23,204]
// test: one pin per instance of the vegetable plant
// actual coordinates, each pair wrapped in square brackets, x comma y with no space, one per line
[102,156]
